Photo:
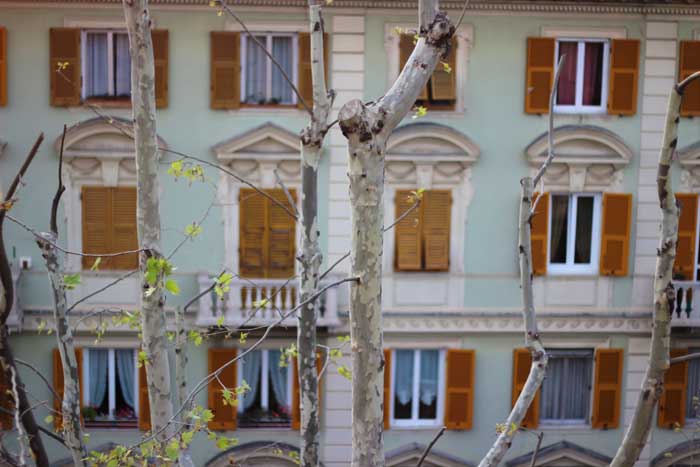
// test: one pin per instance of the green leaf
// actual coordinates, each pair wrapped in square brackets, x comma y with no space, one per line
[220,320]
[96,264]
[192,230]
[48,419]
[345,372]
[172,287]
[71,281]
[207,415]
[172,450]
[142,357]
[243,337]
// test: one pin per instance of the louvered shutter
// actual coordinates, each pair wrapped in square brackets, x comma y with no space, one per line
[144,403]
[296,391]
[123,227]
[65,83]
[3,66]
[58,384]
[436,229]
[539,234]
[406,47]
[687,227]
[539,74]
[160,59]
[688,64]
[253,233]
[521,370]
[387,389]
[281,236]
[624,71]
[672,402]
[443,84]
[305,84]
[225,70]
[615,234]
[407,233]
[6,402]
[459,389]
[224,415]
[607,391]
[97,231]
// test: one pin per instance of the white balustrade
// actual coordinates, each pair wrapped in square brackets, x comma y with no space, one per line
[686,312]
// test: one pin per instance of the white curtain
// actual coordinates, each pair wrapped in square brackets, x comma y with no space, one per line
[403,380]
[567,386]
[122,65]
[252,364]
[428,376]
[97,67]
[278,376]
[282,51]
[255,72]
[125,373]
[98,375]
[691,410]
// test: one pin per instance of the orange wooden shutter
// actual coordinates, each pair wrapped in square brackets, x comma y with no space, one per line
[3,66]
[58,384]
[459,389]
[407,233]
[281,235]
[387,389]
[607,391]
[436,229]
[6,402]
[615,234]
[539,74]
[253,233]
[539,234]
[443,84]
[624,71]
[225,416]
[521,369]
[123,227]
[687,227]
[225,70]
[672,401]
[688,64]
[305,84]
[406,47]
[296,391]
[65,53]
[144,403]
[160,58]
[97,229]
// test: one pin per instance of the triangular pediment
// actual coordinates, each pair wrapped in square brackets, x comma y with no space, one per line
[689,156]
[581,145]
[267,141]
[562,454]
[430,142]
[684,454]
[410,454]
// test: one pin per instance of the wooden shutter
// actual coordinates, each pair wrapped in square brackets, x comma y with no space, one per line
[58,384]
[253,233]
[225,71]
[607,391]
[443,84]
[688,64]
[539,234]
[436,209]
[387,389]
[144,403]
[673,399]
[3,66]
[224,415]
[6,402]
[521,369]
[282,235]
[305,82]
[407,233]
[406,47]
[459,389]
[123,228]
[160,59]
[624,71]
[615,235]
[687,226]
[65,83]
[97,230]
[539,74]
[296,391]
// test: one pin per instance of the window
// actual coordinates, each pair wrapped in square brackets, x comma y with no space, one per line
[107,64]
[692,405]
[583,80]
[566,390]
[111,383]
[441,91]
[268,401]
[262,81]
[417,387]
[574,233]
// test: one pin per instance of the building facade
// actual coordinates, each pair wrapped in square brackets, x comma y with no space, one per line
[451,298]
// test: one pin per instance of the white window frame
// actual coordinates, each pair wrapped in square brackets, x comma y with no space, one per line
[556,423]
[269,65]
[110,58]
[570,267]
[414,421]
[111,379]
[578,107]
[265,380]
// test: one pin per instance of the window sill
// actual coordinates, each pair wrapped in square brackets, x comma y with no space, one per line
[112,424]
[289,110]
[430,428]
[564,427]
[116,103]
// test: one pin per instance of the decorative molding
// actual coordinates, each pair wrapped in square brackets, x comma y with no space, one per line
[685,453]
[268,453]
[584,32]
[267,26]
[95,22]
[563,453]
[410,454]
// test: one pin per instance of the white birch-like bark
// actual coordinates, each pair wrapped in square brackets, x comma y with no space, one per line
[367,128]
[311,257]
[154,341]
[185,459]
[664,294]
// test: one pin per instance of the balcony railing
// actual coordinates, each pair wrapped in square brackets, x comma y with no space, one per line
[260,302]
[686,312]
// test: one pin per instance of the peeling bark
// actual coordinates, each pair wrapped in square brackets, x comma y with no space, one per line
[185,459]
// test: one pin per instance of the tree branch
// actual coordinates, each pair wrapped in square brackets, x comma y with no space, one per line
[430,446]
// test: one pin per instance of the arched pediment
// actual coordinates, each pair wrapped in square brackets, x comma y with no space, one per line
[683,454]
[267,142]
[430,142]
[689,159]
[257,454]
[410,454]
[562,454]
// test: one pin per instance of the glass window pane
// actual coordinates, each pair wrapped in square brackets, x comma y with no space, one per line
[250,403]
[255,72]
[99,384]
[566,92]
[428,385]
[122,66]
[692,406]
[283,53]
[584,230]
[97,65]
[279,388]
[559,228]
[593,73]
[125,393]
[566,388]
[403,385]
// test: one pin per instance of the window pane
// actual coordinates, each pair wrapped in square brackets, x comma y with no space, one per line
[566,92]
[692,406]
[282,51]
[250,403]
[584,230]
[125,397]
[566,388]
[560,218]
[279,388]
[97,375]
[255,72]
[403,384]
[428,386]
[122,66]
[97,65]
[593,73]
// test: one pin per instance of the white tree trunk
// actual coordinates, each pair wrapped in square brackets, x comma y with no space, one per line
[181,359]
[367,129]
[154,342]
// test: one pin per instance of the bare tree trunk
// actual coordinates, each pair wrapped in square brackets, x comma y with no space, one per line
[367,128]
[664,295]
[311,258]
[185,458]
[154,342]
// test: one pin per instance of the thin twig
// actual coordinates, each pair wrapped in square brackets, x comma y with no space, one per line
[685,358]
[330,269]
[40,375]
[403,216]
[201,294]
[461,15]
[290,199]
[22,435]
[53,223]
[539,435]
[18,178]
[430,446]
